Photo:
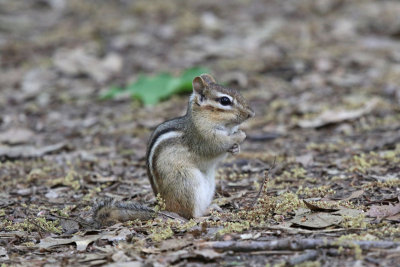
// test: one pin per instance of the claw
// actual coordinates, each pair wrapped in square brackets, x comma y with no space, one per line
[235,149]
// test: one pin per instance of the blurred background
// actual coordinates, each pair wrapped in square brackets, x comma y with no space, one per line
[293,59]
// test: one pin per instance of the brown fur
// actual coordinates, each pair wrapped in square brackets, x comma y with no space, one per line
[175,160]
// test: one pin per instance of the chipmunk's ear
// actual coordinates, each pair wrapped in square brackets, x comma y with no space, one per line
[198,86]
[207,78]
[201,82]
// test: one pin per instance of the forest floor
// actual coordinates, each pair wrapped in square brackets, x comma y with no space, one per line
[323,79]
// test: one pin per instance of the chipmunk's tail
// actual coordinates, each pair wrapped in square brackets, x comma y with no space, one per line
[108,211]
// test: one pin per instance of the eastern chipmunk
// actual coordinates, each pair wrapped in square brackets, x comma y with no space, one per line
[183,153]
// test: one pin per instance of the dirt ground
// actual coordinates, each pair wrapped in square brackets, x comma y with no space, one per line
[317,180]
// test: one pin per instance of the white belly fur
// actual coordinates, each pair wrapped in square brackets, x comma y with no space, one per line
[206,185]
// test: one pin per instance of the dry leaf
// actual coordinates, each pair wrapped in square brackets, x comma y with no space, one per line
[305,160]
[355,194]
[250,236]
[381,212]
[335,116]
[174,244]
[16,136]
[316,220]
[81,242]
[120,256]
[29,151]
[316,208]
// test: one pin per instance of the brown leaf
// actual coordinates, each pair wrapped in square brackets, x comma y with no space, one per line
[305,160]
[81,242]
[394,218]
[355,194]
[335,116]
[384,211]
[174,244]
[385,200]
[316,208]
[316,220]
[16,136]
[29,151]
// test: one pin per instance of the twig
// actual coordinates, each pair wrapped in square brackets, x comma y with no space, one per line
[176,217]
[264,184]
[307,256]
[295,245]
[40,229]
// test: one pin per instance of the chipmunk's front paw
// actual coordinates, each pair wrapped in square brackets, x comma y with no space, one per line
[235,149]
[238,137]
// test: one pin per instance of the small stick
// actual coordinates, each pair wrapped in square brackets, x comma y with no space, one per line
[177,217]
[307,256]
[40,229]
[264,184]
[295,245]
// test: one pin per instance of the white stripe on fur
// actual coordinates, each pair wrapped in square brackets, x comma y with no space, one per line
[160,139]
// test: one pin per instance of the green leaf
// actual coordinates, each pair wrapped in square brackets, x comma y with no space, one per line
[152,89]
[112,93]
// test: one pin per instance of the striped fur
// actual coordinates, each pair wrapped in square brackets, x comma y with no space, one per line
[183,153]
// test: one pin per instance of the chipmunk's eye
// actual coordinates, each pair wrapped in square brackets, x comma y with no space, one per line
[225,101]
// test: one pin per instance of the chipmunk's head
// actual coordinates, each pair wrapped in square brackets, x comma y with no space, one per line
[218,104]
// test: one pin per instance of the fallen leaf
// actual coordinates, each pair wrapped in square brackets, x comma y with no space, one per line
[117,235]
[152,89]
[385,200]
[336,116]
[174,244]
[305,160]
[348,212]
[82,61]
[394,218]
[316,220]
[81,242]
[29,151]
[316,208]
[5,201]
[250,236]
[35,80]
[174,256]
[94,259]
[381,212]
[120,256]
[3,253]
[16,136]
[355,194]
[51,194]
